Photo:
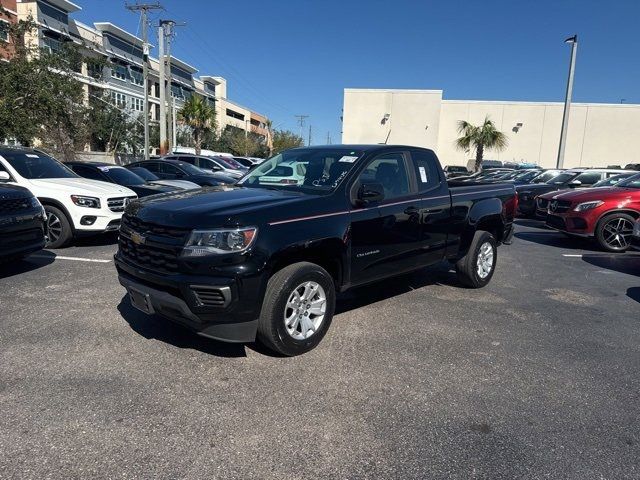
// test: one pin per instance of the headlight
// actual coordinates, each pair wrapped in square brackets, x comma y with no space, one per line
[89,202]
[208,242]
[581,207]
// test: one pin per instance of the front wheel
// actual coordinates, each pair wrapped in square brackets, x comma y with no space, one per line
[476,268]
[614,231]
[58,228]
[298,308]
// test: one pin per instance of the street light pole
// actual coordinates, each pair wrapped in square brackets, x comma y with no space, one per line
[567,101]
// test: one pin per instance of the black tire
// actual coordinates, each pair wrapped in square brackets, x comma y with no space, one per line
[272,331]
[618,222]
[467,266]
[59,230]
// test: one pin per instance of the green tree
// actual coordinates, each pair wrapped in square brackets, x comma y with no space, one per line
[284,140]
[199,116]
[39,98]
[480,137]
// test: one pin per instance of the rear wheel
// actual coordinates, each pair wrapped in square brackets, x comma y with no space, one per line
[58,228]
[476,268]
[614,231]
[297,310]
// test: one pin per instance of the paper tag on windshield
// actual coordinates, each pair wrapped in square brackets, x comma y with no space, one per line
[103,169]
[423,175]
[31,155]
[348,159]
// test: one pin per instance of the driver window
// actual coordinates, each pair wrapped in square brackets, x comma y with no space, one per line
[391,172]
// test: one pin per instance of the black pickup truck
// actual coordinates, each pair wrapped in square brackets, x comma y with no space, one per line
[264,258]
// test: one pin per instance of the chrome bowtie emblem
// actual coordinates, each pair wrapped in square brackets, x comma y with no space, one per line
[137,238]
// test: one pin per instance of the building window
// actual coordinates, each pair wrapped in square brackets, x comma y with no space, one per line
[177,92]
[234,114]
[52,45]
[119,99]
[4,31]
[51,11]
[119,72]
[137,104]
[136,77]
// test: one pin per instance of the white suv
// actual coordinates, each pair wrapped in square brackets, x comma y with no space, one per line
[74,205]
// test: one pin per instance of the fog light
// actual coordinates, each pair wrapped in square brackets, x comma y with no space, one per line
[87,220]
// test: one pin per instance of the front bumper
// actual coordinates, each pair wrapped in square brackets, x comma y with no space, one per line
[569,224]
[106,220]
[177,298]
[23,234]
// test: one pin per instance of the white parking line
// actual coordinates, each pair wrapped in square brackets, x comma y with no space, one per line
[616,255]
[76,259]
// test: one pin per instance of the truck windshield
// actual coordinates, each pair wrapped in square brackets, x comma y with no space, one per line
[34,165]
[316,170]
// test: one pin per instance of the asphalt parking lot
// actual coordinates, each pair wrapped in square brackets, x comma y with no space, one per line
[534,376]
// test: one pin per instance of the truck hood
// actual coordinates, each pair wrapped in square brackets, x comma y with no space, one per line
[212,206]
[537,187]
[79,186]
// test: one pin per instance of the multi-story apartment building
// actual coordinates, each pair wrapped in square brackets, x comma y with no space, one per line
[121,81]
[8,15]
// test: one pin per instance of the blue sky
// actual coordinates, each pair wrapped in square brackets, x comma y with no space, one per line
[289,57]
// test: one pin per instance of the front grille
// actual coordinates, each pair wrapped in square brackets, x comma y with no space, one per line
[147,256]
[157,248]
[147,228]
[556,222]
[559,206]
[119,204]
[209,296]
[14,205]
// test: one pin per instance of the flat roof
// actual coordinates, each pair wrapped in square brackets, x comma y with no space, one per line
[183,65]
[214,80]
[116,31]
[65,5]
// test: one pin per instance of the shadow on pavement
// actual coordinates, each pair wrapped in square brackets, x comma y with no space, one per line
[27,264]
[634,293]
[621,262]
[375,292]
[552,238]
[531,222]
[159,328]
[110,238]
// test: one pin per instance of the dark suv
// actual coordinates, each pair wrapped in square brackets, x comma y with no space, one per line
[22,222]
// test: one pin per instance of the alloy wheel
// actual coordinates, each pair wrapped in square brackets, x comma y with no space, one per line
[484,263]
[54,227]
[617,232]
[305,310]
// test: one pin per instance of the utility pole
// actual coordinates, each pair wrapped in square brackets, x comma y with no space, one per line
[144,8]
[567,100]
[309,143]
[165,35]
[328,138]
[301,119]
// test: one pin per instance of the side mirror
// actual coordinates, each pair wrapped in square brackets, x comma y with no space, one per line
[5,177]
[370,192]
[574,183]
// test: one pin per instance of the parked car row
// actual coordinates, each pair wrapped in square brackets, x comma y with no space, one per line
[86,198]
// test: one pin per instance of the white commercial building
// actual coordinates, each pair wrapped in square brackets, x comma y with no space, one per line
[598,135]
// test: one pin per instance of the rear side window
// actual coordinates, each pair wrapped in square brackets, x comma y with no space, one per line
[425,164]
[152,167]
[589,178]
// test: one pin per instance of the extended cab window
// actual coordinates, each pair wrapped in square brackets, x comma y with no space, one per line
[425,164]
[391,172]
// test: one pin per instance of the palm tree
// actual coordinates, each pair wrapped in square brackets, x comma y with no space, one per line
[199,116]
[482,137]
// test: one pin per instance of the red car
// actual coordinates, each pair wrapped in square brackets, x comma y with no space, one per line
[607,214]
